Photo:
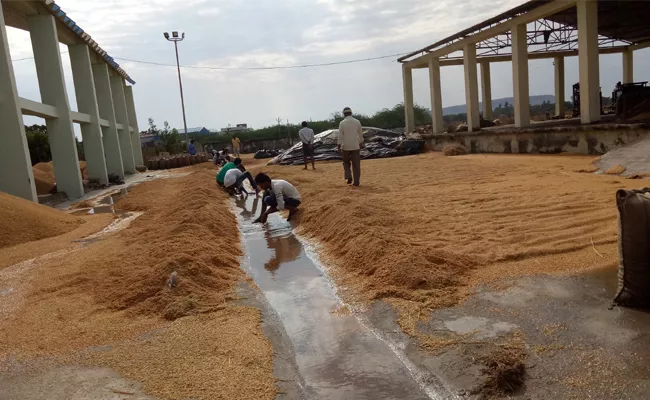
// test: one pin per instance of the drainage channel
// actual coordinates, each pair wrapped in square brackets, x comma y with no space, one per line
[338,356]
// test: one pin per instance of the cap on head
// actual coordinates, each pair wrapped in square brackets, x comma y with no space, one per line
[304,124]
[347,111]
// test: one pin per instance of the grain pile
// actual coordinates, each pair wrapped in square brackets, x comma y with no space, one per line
[112,292]
[24,221]
[44,177]
[422,231]
[615,170]
[454,149]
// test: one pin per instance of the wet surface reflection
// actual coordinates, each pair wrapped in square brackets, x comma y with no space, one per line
[338,357]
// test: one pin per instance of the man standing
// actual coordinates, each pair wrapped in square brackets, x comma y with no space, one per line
[350,143]
[278,195]
[235,145]
[306,136]
[191,148]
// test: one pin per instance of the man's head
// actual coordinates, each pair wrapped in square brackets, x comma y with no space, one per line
[347,111]
[234,136]
[237,161]
[263,181]
[192,141]
[304,124]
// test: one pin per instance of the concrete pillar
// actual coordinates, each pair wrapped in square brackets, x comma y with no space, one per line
[486,91]
[17,177]
[437,122]
[520,75]
[471,87]
[588,60]
[409,112]
[122,117]
[628,66]
[135,136]
[51,82]
[110,138]
[84,86]
[559,86]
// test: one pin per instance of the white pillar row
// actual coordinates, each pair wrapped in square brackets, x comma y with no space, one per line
[588,60]
[486,90]
[122,117]
[18,177]
[110,138]
[520,75]
[437,123]
[628,66]
[60,131]
[471,87]
[558,63]
[409,112]
[133,120]
[84,86]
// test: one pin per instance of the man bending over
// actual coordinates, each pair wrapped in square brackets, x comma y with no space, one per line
[278,195]
[227,167]
[234,179]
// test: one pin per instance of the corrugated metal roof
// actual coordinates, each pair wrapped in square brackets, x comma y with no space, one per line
[56,10]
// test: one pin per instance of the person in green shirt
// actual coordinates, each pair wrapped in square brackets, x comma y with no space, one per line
[229,165]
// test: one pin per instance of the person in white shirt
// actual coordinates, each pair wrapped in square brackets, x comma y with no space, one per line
[278,195]
[350,143]
[306,136]
[233,181]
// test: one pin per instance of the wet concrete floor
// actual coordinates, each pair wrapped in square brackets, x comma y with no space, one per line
[337,356]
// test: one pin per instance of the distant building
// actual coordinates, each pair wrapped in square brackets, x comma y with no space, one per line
[149,139]
[153,139]
[201,131]
[239,128]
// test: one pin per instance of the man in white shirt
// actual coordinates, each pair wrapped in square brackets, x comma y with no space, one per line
[306,136]
[278,195]
[350,143]
[234,179]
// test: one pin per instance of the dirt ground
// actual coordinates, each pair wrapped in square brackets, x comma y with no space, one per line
[423,231]
[481,253]
[105,303]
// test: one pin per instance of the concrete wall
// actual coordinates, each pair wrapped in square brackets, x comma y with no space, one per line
[575,140]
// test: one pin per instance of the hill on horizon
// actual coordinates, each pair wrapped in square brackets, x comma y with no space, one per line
[534,100]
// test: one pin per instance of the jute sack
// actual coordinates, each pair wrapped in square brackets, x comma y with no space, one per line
[633,248]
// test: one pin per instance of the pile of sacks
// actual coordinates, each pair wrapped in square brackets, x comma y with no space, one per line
[378,143]
[176,161]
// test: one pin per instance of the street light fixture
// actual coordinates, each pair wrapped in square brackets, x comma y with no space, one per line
[177,39]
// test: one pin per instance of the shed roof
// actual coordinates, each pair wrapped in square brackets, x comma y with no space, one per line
[620,21]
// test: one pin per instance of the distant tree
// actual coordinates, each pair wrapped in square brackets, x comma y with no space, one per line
[38,143]
[171,139]
[152,127]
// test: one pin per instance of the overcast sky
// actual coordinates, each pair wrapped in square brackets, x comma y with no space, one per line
[255,33]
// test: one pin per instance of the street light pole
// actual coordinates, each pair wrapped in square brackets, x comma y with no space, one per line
[174,38]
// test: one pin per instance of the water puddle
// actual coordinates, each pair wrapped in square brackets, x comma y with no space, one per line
[338,356]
